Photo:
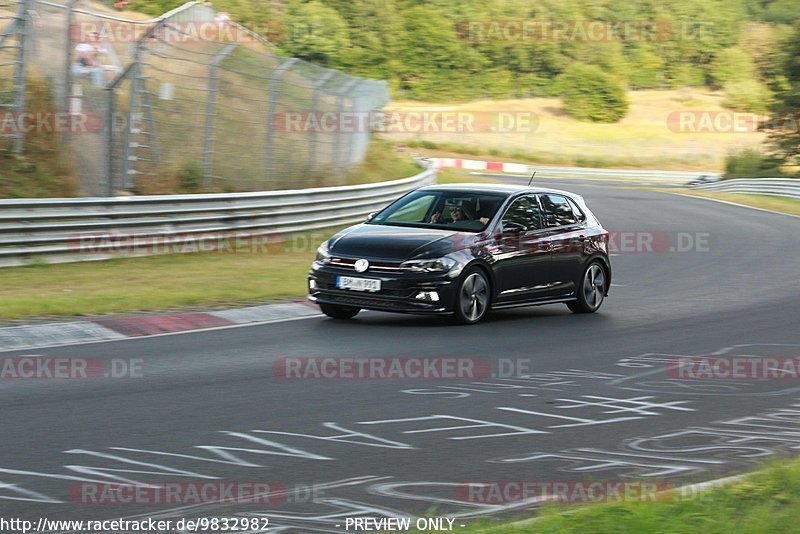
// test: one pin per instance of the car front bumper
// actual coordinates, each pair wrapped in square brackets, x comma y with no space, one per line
[399,292]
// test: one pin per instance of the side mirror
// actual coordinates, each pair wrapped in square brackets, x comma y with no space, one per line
[512,228]
[371,216]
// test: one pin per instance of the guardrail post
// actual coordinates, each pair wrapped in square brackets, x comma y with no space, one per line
[311,165]
[213,81]
[274,77]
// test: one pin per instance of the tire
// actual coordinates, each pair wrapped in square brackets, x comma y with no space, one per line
[473,297]
[591,289]
[338,312]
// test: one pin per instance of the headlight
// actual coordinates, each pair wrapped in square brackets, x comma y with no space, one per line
[438,265]
[323,255]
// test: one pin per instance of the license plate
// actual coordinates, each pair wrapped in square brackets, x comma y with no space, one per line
[358,284]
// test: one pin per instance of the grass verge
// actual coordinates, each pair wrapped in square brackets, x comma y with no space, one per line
[766,501]
[254,272]
[767,202]
[460,176]
[383,162]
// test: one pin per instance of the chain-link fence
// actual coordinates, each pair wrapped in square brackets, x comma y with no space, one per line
[187,101]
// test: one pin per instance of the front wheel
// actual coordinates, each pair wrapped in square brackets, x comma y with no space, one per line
[472,297]
[338,312]
[591,291]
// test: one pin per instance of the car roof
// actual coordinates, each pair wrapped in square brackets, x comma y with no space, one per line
[508,189]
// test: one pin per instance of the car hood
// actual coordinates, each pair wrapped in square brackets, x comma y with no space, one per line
[395,243]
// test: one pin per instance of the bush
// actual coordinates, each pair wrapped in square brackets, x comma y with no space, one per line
[751,163]
[731,65]
[590,94]
[747,95]
[190,177]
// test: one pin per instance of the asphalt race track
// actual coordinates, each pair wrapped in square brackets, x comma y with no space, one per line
[565,398]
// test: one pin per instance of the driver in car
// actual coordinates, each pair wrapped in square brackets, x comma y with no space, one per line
[457,214]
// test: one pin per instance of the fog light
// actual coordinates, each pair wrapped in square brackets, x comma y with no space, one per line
[431,296]
[312,284]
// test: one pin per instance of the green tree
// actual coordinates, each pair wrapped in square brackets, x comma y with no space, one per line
[316,33]
[644,67]
[430,54]
[591,94]
[785,127]
[731,65]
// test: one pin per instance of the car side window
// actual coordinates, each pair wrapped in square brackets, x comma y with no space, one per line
[558,211]
[523,215]
[577,210]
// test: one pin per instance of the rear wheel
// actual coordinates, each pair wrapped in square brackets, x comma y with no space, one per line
[472,297]
[338,312]
[591,291]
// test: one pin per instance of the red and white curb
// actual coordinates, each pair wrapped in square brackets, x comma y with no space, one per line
[121,327]
[643,176]
[478,165]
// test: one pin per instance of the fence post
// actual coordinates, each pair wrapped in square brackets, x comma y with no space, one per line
[108,124]
[351,152]
[132,105]
[213,81]
[152,138]
[311,166]
[339,159]
[21,28]
[274,77]
[68,53]
[135,69]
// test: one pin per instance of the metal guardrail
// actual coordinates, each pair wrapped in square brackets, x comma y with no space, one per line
[783,187]
[60,230]
[671,176]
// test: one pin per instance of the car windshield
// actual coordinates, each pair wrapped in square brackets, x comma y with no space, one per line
[465,211]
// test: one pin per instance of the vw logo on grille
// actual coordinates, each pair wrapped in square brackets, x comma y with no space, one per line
[361,265]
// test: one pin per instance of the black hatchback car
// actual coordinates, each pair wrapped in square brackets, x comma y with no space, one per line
[464,249]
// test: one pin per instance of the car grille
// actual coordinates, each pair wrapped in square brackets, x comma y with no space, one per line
[378,267]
